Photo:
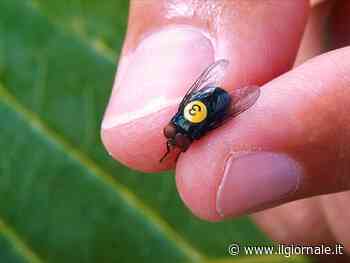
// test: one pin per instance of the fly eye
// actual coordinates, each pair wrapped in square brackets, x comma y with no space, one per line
[182,141]
[169,131]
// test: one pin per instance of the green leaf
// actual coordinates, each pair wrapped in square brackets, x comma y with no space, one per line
[63,198]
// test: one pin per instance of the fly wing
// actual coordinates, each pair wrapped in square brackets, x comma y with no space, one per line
[210,77]
[242,99]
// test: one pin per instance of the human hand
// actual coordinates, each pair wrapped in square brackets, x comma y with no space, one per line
[292,144]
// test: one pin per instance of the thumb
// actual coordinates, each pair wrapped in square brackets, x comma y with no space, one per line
[168,45]
[293,143]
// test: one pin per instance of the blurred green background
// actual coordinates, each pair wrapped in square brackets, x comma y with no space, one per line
[62,199]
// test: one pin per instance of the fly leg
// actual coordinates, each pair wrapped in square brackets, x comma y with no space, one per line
[168,149]
[177,157]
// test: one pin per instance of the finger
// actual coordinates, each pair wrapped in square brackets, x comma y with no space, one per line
[294,143]
[317,2]
[339,25]
[328,28]
[316,37]
[169,43]
[312,221]
[336,211]
[296,222]
[299,222]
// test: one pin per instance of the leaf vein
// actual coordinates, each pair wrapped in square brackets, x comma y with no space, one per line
[23,248]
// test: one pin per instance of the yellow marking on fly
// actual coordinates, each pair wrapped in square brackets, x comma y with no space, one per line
[195,111]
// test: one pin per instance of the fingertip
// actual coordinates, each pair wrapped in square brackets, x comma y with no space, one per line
[147,93]
[139,143]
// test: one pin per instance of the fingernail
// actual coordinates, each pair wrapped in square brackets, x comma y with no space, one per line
[256,179]
[159,71]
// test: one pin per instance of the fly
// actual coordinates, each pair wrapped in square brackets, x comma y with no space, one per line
[205,107]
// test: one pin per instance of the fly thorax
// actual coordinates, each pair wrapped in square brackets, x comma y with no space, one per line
[195,111]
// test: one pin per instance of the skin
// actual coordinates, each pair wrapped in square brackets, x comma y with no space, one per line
[304,91]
